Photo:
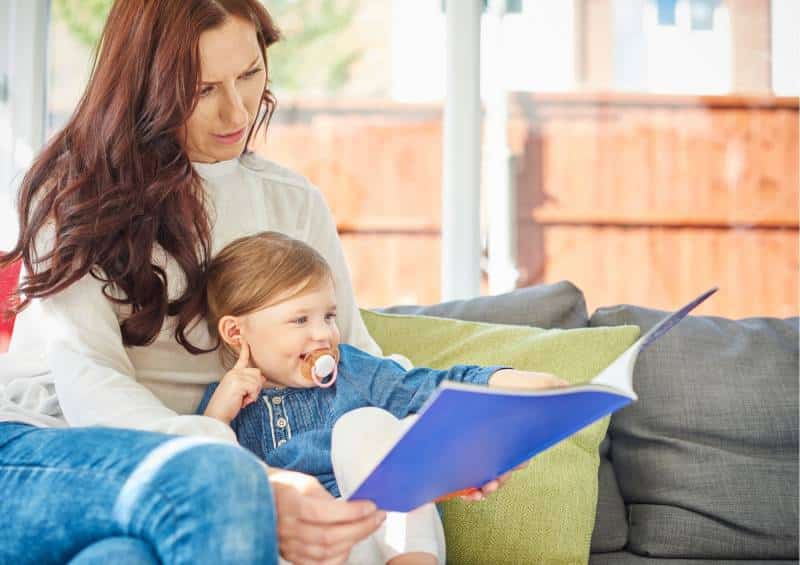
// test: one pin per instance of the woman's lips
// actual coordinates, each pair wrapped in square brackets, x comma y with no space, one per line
[229,138]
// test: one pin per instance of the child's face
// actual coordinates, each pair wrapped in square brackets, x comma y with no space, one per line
[280,335]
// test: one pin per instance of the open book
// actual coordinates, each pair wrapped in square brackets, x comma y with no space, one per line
[437,454]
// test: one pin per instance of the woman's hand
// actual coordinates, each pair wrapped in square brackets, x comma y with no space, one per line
[239,387]
[315,527]
[511,378]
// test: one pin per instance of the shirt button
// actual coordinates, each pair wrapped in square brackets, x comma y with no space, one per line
[277,400]
[281,442]
[281,423]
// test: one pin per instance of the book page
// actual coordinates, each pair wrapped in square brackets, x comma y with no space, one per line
[619,375]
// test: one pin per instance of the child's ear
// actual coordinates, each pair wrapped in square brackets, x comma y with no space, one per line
[229,331]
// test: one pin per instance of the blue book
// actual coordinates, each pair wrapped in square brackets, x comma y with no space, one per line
[441,445]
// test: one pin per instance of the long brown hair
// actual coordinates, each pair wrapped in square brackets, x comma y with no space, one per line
[256,271]
[116,181]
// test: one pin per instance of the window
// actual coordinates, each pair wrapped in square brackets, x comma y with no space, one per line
[652,144]
[22,94]
[666,12]
[512,6]
[703,14]
[692,53]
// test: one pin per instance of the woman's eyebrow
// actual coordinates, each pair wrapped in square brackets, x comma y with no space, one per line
[250,66]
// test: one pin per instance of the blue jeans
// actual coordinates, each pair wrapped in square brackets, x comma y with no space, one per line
[101,495]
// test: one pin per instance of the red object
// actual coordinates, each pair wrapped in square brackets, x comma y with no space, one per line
[9,278]
[462,492]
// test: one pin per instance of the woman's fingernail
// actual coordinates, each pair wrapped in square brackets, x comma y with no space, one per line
[380,517]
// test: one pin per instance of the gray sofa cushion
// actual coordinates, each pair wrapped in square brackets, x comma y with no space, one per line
[707,459]
[611,524]
[558,305]
[624,558]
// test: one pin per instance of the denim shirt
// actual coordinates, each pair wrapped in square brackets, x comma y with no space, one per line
[290,428]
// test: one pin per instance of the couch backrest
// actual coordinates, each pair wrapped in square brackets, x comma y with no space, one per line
[557,305]
[706,461]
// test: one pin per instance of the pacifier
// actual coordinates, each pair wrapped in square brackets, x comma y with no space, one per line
[320,364]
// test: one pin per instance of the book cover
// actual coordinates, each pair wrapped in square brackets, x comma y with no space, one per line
[436,455]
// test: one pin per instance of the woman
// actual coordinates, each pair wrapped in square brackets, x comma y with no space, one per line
[115,190]
[118,215]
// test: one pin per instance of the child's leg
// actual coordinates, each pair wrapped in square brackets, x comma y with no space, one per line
[359,440]
[418,531]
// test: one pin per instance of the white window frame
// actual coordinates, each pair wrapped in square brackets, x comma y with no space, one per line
[461,247]
[23,82]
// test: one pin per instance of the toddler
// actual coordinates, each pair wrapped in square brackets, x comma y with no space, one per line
[272,304]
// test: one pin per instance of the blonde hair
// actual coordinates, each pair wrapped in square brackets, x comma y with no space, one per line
[257,271]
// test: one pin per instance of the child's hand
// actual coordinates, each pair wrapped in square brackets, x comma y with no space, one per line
[490,487]
[239,387]
[511,378]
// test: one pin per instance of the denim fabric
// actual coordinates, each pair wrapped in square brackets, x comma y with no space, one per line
[306,415]
[130,551]
[90,493]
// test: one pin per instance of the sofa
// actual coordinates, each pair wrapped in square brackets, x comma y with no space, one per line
[704,467]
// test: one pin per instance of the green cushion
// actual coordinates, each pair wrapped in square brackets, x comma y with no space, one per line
[546,512]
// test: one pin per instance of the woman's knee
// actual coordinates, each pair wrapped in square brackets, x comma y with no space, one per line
[197,476]
[201,501]
[121,549]
[225,470]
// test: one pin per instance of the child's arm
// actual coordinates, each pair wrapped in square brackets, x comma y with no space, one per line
[385,384]
[423,382]
[239,387]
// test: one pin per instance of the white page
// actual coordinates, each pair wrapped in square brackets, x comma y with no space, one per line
[619,375]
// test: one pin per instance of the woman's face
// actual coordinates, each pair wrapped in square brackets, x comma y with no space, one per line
[232,81]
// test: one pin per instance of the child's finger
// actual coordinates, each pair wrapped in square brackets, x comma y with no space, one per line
[553,381]
[521,466]
[244,355]
[254,391]
[253,373]
[490,487]
[546,380]
[257,376]
[253,378]
[473,496]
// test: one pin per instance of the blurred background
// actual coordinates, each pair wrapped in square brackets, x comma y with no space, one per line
[648,148]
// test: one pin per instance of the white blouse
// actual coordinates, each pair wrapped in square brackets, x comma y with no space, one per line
[67,365]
